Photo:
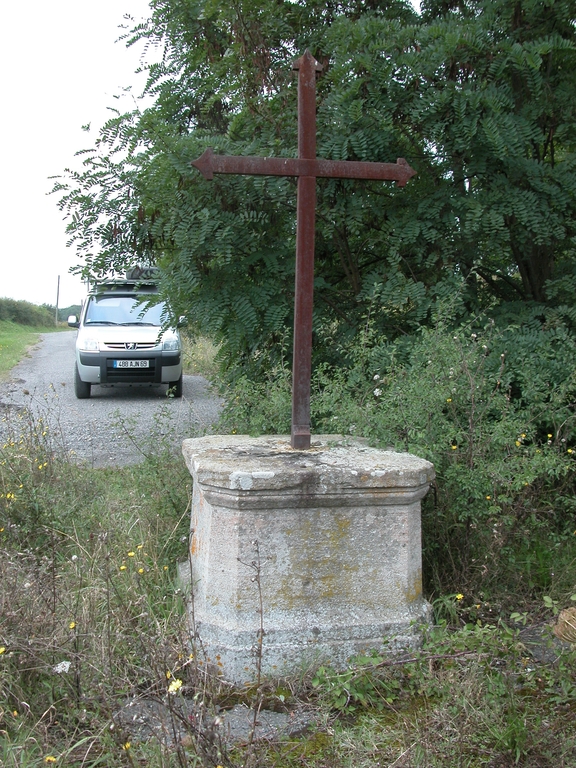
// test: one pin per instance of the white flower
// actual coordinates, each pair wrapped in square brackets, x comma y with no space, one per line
[376,377]
[64,666]
[377,392]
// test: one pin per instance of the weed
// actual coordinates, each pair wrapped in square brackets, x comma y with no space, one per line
[200,355]
[492,409]
[99,666]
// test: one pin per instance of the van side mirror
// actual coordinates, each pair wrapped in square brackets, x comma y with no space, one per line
[73,321]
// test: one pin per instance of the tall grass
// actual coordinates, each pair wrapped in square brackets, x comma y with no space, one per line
[199,355]
[99,667]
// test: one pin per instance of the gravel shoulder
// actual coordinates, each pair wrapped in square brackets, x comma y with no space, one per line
[117,425]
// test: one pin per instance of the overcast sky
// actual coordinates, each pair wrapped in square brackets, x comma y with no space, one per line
[62,70]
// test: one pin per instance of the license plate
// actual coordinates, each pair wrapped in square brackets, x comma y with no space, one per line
[131,363]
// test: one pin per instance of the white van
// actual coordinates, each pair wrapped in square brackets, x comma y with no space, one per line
[120,339]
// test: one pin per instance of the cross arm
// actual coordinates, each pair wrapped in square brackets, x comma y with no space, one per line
[208,164]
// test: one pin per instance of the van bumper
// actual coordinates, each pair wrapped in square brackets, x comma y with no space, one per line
[99,368]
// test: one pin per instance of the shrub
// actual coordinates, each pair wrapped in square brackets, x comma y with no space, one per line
[25,313]
[492,406]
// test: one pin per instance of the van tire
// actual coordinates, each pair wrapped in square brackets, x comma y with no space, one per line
[175,388]
[81,388]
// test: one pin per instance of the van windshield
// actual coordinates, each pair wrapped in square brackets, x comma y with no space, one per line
[122,310]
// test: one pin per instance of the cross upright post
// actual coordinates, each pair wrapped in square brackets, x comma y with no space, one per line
[307,168]
[305,235]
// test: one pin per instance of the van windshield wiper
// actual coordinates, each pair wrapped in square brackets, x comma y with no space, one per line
[137,322]
[101,322]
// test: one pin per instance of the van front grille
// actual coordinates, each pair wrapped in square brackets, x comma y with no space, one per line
[122,345]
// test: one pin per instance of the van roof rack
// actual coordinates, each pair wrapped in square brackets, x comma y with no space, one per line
[143,273]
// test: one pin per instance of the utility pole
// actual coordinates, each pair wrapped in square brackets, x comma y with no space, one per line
[57,299]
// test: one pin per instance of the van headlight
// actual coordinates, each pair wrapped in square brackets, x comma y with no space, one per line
[171,345]
[88,345]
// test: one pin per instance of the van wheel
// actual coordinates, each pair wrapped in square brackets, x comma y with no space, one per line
[81,388]
[175,388]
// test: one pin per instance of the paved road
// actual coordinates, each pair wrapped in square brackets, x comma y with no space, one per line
[116,425]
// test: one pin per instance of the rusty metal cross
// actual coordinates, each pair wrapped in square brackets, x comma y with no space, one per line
[307,167]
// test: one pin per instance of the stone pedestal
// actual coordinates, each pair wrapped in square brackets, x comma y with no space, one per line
[338,531]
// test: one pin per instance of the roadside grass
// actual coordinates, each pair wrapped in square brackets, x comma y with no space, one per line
[199,355]
[92,617]
[15,340]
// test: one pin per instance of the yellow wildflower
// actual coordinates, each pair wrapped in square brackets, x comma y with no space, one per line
[2,650]
[459,596]
[122,567]
[72,625]
[50,759]
[175,685]
[131,554]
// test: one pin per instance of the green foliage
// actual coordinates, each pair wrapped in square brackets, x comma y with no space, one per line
[478,97]
[64,312]
[92,618]
[359,686]
[466,698]
[490,403]
[25,313]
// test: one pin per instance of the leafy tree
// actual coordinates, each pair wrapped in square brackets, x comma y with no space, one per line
[477,95]
[25,313]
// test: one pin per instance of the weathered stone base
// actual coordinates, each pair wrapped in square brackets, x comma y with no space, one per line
[338,535]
